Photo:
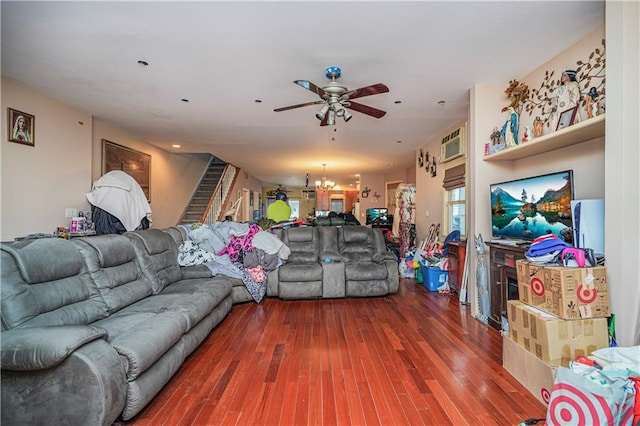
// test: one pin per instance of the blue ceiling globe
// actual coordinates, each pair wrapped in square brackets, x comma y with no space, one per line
[333,72]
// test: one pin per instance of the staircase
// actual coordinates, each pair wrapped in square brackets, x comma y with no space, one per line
[197,207]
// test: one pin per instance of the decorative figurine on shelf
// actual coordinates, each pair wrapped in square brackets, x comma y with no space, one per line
[568,93]
[537,127]
[526,135]
[496,137]
[497,143]
[591,103]
[510,127]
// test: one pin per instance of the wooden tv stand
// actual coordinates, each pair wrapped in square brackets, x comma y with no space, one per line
[503,278]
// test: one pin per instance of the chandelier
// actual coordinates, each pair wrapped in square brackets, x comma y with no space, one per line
[324,184]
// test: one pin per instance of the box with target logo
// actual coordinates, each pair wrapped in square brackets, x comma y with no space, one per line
[530,283]
[577,292]
[532,373]
[552,339]
[569,293]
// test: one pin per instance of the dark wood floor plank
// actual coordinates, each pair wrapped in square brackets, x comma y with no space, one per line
[412,358]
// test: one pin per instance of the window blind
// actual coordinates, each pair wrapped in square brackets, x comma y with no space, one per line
[454,177]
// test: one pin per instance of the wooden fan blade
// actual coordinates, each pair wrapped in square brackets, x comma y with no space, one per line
[312,88]
[374,89]
[298,106]
[373,112]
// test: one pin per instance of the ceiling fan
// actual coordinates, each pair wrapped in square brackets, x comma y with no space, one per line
[279,189]
[337,99]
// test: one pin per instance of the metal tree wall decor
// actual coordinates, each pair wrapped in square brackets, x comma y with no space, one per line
[589,73]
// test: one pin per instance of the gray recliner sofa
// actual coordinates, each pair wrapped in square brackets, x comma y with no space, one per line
[87,335]
[370,269]
[94,327]
[333,262]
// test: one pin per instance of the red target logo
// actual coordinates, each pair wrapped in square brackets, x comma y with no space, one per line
[586,295]
[570,405]
[537,287]
[544,393]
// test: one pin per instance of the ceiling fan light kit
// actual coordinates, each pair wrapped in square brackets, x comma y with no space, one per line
[320,115]
[337,98]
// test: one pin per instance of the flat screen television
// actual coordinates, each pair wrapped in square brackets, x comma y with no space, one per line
[527,208]
[377,216]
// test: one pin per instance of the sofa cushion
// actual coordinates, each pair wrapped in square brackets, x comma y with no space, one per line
[217,287]
[39,260]
[355,244]
[142,345]
[157,256]
[365,271]
[356,234]
[304,243]
[300,272]
[178,233]
[45,283]
[301,235]
[112,263]
[144,331]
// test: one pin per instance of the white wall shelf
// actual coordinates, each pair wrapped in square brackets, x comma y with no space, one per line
[580,132]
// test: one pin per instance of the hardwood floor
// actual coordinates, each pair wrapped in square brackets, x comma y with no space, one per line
[412,358]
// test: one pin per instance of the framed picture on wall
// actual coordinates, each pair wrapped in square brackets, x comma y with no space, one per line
[567,118]
[134,163]
[20,127]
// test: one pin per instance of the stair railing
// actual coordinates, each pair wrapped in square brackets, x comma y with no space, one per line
[220,195]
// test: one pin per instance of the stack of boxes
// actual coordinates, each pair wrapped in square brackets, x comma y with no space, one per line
[561,314]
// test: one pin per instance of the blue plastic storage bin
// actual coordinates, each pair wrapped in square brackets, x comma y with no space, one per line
[433,277]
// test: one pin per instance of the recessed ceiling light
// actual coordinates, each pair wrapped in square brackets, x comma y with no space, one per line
[397,102]
[143,63]
[398,141]
[175,145]
[184,100]
[258,101]
[441,103]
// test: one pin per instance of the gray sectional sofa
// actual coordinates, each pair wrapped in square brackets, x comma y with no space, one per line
[93,328]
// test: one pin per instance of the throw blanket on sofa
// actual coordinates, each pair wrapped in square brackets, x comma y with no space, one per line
[236,250]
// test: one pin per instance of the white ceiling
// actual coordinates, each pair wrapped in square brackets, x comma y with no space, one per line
[222,56]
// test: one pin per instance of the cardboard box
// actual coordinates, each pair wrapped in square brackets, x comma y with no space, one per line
[554,340]
[532,373]
[568,293]
[531,289]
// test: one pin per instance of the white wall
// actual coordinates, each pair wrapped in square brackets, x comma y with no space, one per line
[376,184]
[429,198]
[39,182]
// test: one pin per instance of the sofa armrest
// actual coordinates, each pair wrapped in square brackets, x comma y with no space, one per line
[330,254]
[380,257]
[44,347]
[195,271]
